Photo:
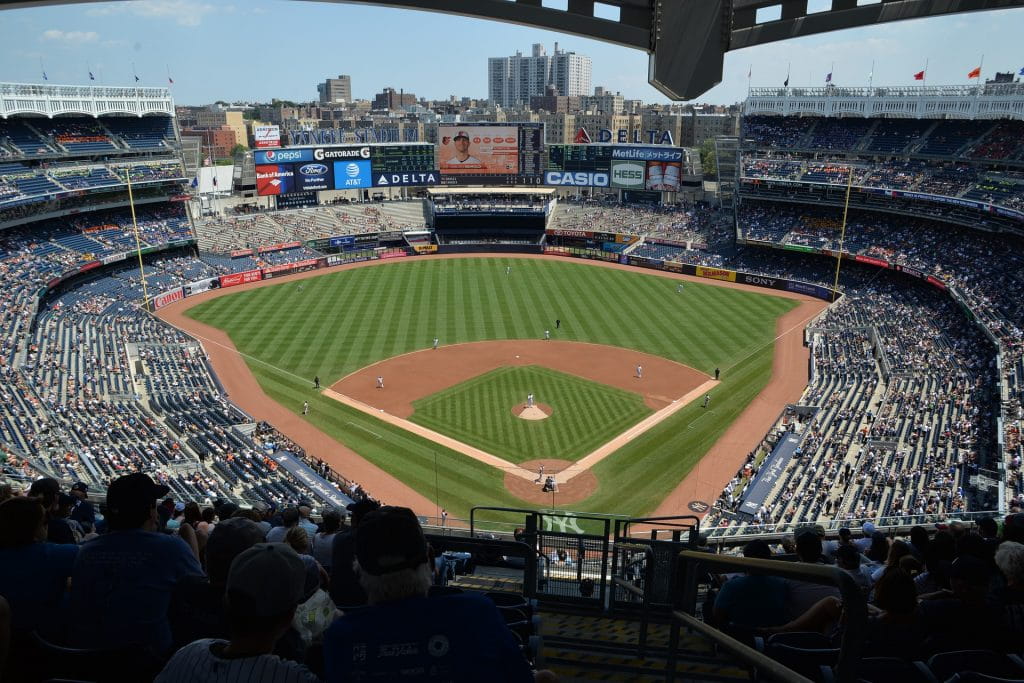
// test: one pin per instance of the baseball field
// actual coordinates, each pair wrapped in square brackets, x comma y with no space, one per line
[353,325]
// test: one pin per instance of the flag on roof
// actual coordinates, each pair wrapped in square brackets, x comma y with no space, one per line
[975,72]
[828,78]
[91,77]
[785,83]
[919,76]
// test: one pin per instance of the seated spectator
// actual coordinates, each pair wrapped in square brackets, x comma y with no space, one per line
[289,520]
[894,630]
[306,523]
[323,541]
[752,600]
[123,579]
[345,587]
[264,586]
[405,634]
[849,560]
[962,618]
[83,511]
[878,551]
[897,551]
[33,572]
[47,490]
[801,596]
[1010,560]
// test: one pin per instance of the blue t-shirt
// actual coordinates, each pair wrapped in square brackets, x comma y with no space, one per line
[459,638]
[753,600]
[123,581]
[33,579]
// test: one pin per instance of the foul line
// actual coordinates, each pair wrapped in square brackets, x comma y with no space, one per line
[358,426]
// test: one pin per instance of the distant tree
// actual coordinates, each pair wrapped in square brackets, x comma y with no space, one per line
[709,158]
[236,149]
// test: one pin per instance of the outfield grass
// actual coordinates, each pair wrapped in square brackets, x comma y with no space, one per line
[346,320]
[479,412]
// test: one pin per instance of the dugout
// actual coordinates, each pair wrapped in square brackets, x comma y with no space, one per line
[468,218]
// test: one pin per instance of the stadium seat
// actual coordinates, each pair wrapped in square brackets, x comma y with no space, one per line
[985,662]
[884,670]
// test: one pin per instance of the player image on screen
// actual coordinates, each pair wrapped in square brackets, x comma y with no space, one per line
[462,156]
[476,150]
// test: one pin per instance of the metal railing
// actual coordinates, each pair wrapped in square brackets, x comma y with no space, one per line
[694,565]
[630,585]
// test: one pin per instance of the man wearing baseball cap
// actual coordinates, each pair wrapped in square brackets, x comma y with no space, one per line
[83,511]
[403,634]
[345,588]
[265,585]
[123,579]
[462,156]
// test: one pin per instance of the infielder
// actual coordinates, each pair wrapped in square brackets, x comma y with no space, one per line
[305,407]
[707,400]
[529,400]
[639,372]
[547,334]
[380,382]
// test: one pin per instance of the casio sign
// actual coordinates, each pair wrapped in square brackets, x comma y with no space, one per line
[313,169]
[628,175]
[579,178]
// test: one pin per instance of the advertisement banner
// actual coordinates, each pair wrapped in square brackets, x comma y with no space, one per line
[577,178]
[558,232]
[411,179]
[799,247]
[716,273]
[282,156]
[910,271]
[936,282]
[281,246]
[313,176]
[628,174]
[113,258]
[386,236]
[425,248]
[161,300]
[648,153]
[274,179]
[663,176]
[304,264]
[809,289]
[89,266]
[201,286]
[266,136]
[626,239]
[760,280]
[240,278]
[873,261]
[352,175]
[478,149]
[239,253]
[343,241]
[393,253]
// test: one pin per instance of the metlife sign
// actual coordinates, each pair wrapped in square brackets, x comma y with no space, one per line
[648,153]
[628,174]
[577,179]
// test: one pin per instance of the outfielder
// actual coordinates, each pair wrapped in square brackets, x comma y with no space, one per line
[435,343]
[305,407]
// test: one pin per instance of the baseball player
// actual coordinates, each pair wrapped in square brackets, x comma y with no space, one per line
[707,400]
[529,400]
[508,270]
[547,334]
[435,343]
[316,382]
[380,382]
[540,474]
[558,323]
[679,288]
[717,372]
[639,372]
[305,407]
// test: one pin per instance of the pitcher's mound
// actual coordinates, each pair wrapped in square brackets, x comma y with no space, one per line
[538,411]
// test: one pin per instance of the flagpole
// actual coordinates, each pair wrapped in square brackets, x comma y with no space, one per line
[871,76]
[750,72]
[925,79]
[138,242]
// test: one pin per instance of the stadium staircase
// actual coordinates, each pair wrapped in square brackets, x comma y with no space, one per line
[596,648]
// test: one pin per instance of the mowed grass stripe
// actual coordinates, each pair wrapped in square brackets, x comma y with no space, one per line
[479,413]
[713,327]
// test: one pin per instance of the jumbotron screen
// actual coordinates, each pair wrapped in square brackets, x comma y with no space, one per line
[490,154]
[343,167]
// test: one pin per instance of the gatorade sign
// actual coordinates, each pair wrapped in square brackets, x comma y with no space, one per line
[628,174]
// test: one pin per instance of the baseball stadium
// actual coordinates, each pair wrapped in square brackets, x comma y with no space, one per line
[632,419]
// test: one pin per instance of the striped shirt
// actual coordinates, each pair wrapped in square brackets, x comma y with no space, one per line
[200,662]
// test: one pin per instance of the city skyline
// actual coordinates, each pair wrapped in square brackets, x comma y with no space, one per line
[234,53]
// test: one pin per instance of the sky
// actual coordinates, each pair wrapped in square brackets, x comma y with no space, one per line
[262,49]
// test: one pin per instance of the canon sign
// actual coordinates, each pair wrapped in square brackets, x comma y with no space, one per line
[577,179]
[320,154]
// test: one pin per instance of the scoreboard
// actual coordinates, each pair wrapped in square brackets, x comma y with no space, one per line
[590,158]
[402,158]
[491,153]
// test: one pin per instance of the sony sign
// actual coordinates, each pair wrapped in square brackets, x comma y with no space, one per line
[759,280]
[576,179]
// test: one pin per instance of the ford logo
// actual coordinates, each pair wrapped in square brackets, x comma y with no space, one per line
[313,169]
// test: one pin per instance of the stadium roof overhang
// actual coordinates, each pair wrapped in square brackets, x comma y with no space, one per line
[686,39]
[534,191]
